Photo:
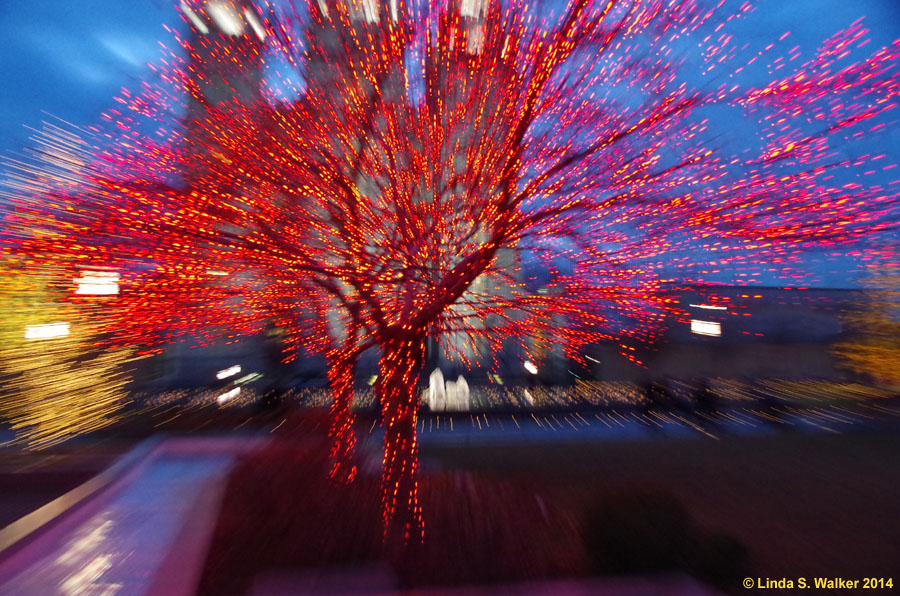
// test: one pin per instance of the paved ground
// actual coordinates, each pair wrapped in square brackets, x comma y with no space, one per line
[118,541]
[29,480]
[809,493]
[804,503]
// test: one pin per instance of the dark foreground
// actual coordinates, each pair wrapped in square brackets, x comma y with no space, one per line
[778,504]
[802,505]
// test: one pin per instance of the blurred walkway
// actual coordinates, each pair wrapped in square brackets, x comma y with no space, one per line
[117,542]
[30,479]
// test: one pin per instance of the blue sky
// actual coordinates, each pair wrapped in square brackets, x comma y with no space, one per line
[70,57]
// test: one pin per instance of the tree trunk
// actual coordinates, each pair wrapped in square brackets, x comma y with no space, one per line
[341,368]
[401,364]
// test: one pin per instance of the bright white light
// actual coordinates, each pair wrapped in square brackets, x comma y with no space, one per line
[98,283]
[706,327]
[364,10]
[452,395]
[709,307]
[248,378]
[255,24]
[46,331]
[591,359]
[437,390]
[228,372]
[472,8]
[476,40]
[530,367]
[228,395]
[192,16]
[225,16]
[213,272]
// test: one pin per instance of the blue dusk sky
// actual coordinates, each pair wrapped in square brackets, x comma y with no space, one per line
[70,57]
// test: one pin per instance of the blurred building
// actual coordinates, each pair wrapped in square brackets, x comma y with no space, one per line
[741,332]
[224,46]
[776,333]
[475,91]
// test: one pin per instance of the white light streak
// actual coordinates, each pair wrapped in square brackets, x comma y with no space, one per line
[196,20]
[709,306]
[231,394]
[472,8]
[255,24]
[530,367]
[706,327]
[98,283]
[225,16]
[46,331]
[248,378]
[364,10]
[228,372]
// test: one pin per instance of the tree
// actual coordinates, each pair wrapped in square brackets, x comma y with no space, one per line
[873,346]
[61,378]
[436,154]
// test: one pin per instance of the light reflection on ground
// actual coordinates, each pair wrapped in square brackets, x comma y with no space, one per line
[118,549]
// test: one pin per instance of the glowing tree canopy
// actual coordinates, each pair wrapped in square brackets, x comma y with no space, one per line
[873,345]
[59,377]
[416,159]
[59,380]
